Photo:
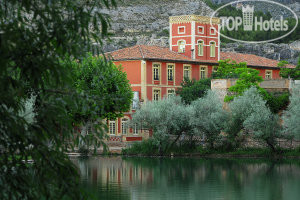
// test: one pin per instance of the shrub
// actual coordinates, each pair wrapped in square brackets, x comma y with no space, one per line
[291,117]
[146,147]
[191,90]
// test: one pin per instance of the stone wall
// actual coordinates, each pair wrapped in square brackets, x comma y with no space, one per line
[220,86]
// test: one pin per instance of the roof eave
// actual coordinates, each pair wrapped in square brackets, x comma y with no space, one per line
[181,61]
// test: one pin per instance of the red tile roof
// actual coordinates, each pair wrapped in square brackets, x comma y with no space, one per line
[140,52]
[146,52]
[251,60]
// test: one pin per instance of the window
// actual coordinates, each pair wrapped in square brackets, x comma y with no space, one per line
[200,48]
[112,127]
[203,73]
[181,46]
[171,92]
[268,74]
[212,49]
[200,29]
[212,31]
[181,30]
[156,95]
[156,69]
[187,72]
[135,129]
[170,72]
[124,126]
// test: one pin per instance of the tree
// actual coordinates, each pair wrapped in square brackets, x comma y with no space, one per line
[101,79]
[246,78]
[191,89]
[34,37]
[240,109]
[165,117]
[293,73]
[107,91]
[291,117]
[208,117]
[250,113]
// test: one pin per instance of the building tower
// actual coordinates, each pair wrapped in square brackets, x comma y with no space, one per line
[195,37]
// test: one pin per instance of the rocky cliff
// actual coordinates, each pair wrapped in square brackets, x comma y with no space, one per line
[147,22]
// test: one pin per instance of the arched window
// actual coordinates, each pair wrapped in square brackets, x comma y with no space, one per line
[200,47]
[181,46]
[212,49]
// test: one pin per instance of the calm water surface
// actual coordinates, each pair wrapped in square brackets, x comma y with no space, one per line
[190,178]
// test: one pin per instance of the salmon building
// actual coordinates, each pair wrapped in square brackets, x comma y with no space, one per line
[155,72]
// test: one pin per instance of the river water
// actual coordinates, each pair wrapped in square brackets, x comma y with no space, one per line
[189,178]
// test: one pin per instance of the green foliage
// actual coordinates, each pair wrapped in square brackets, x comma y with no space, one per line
[208,117]
[146,147]
[227,69]
[240,109]
[250,114]
[35,36]
[191,89]
[288,72]
[247,77]
[276,102]
[291,117]
[106,83]
[165,118]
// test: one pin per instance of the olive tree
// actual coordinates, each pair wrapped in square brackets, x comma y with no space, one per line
[208,117]
[249,114]
[291,117]
[239,110]
[165,118]
[264,126]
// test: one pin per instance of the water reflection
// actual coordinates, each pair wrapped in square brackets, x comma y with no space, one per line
[186,178]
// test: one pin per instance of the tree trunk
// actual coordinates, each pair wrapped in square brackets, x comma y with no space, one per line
[174,142]
[191,141]
[271,145]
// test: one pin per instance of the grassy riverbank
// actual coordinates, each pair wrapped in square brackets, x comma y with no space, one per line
[146,149]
